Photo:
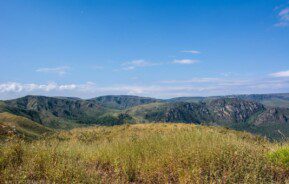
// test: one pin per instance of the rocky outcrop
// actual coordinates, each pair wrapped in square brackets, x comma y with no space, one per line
[273,116]
[234,110]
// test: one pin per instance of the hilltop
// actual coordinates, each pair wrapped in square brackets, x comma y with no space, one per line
[144,153]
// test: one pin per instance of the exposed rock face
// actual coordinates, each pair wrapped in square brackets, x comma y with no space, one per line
[234,110]
[188,112]
[217,111]
[273,116]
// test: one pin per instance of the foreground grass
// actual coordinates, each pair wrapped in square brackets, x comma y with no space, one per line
[143,153]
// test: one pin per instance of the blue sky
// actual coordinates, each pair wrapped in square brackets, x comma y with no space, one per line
[151,48]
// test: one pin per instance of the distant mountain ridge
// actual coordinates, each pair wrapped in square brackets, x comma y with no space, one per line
[123,101]
[220,111]
[259,114]
[272,100]
[62,112]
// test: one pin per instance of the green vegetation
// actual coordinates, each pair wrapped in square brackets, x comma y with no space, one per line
[280,156]
[123,101]
[144,153]
[17,125]
[243,112]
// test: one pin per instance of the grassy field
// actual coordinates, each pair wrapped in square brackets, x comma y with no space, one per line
[145,153]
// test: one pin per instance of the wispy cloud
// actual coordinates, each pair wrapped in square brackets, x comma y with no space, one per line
[283,17]
[57,70]
[140,63]
[20,87]
[192,87]
[281,74]
[186,61]
[191,51]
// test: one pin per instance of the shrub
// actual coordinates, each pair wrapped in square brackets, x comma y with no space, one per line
[280,156]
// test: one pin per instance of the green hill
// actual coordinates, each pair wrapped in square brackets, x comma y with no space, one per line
[58,112]
[66,113]
[234,113]
[237,112]
[145,153]
[16,125]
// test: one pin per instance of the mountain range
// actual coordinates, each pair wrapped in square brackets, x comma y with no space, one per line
[266,114]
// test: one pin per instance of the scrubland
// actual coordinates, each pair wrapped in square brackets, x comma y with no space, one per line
[145,153]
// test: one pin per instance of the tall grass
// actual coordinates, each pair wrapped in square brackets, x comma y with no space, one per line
[150,153]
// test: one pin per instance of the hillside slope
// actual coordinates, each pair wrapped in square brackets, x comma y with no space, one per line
[17,125]
[220,111]
[230,112]
[58,112]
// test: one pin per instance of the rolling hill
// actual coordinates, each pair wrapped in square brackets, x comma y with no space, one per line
[17,125]
[58,112]
[234,113]
[245,112]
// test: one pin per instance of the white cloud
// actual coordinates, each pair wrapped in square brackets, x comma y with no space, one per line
[206,86]
[185,61]
[191,51]
[283,16]
[131,65]
[281,74]
[20,87]
[57,70]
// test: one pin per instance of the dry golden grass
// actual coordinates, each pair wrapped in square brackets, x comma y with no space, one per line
[143,153]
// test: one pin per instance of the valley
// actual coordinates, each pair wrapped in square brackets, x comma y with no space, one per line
[131,139]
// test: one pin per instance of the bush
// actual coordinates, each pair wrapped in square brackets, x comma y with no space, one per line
[280,156]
